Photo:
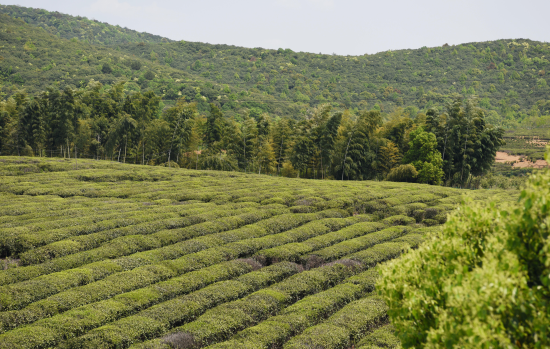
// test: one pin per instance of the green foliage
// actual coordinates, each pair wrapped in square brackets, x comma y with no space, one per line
[424,156]
[383,337]
[305,313]
[343,328]
[402,173]
[483,280]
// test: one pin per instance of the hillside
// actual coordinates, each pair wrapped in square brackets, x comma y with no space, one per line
[68,27]
[101,254]
[509,76]
[33,59]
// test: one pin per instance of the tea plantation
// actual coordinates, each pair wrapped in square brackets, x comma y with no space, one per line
[106,255]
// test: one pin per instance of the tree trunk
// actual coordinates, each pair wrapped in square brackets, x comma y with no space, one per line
[322,170]
[125,146]
[280,154]
[464,154]
[346,155]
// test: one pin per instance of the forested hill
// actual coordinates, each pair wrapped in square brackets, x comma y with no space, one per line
[68,27]
[33,59]
[509,76]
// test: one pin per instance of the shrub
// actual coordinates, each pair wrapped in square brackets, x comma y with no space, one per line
[344,328]
[360,243]
[307,312]
[402,173]
[383,337]
[492,286]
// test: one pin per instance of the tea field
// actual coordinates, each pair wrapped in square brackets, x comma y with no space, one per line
[106,255]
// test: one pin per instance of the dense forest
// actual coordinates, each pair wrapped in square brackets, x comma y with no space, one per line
[453,147]
[508,76]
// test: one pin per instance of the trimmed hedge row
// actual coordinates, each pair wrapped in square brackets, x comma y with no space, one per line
[16,296]
[60,211]
[219,323]
[305,313]
[398,220]
[293,251]
[388,250]
[88,242]
[143,297]
[17,207]
[59,216]
[159,318]
[144,222]
[14,243]
[150,274]
[130,244]
[344,328]
[350,246]
[82,295]
[383,337]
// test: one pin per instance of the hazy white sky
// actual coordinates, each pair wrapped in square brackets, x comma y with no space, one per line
[344,27]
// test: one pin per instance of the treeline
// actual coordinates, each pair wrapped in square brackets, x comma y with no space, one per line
[453,147]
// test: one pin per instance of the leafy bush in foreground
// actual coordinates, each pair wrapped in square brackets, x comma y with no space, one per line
[482,282]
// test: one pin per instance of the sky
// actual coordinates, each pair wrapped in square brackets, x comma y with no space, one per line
[344,27]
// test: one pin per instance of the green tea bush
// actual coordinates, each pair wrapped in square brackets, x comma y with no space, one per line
[130,244]
[305,313]
[115,255]
[383,337]
[21,294]
[218,323]
[161,317]
[143,297]
[360,243]
[293,251]
[344,328]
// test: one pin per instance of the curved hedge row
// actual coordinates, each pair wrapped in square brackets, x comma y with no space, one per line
[73,323]
[345,327]
[307,312]
[219,322]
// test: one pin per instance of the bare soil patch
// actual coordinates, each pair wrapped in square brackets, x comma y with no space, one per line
[518,161]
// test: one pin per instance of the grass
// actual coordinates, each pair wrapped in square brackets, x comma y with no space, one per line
[116,256]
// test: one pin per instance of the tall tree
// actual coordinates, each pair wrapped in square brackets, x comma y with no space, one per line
[424,156]
[302,152]
[281,141]
[214,126]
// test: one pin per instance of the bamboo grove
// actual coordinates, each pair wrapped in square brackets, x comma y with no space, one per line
[453,147]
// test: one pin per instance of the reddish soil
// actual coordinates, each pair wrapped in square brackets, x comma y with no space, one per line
[518,161]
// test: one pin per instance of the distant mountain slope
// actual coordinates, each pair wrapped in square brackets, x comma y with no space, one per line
[68,27]
[509,76]
[33,59]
